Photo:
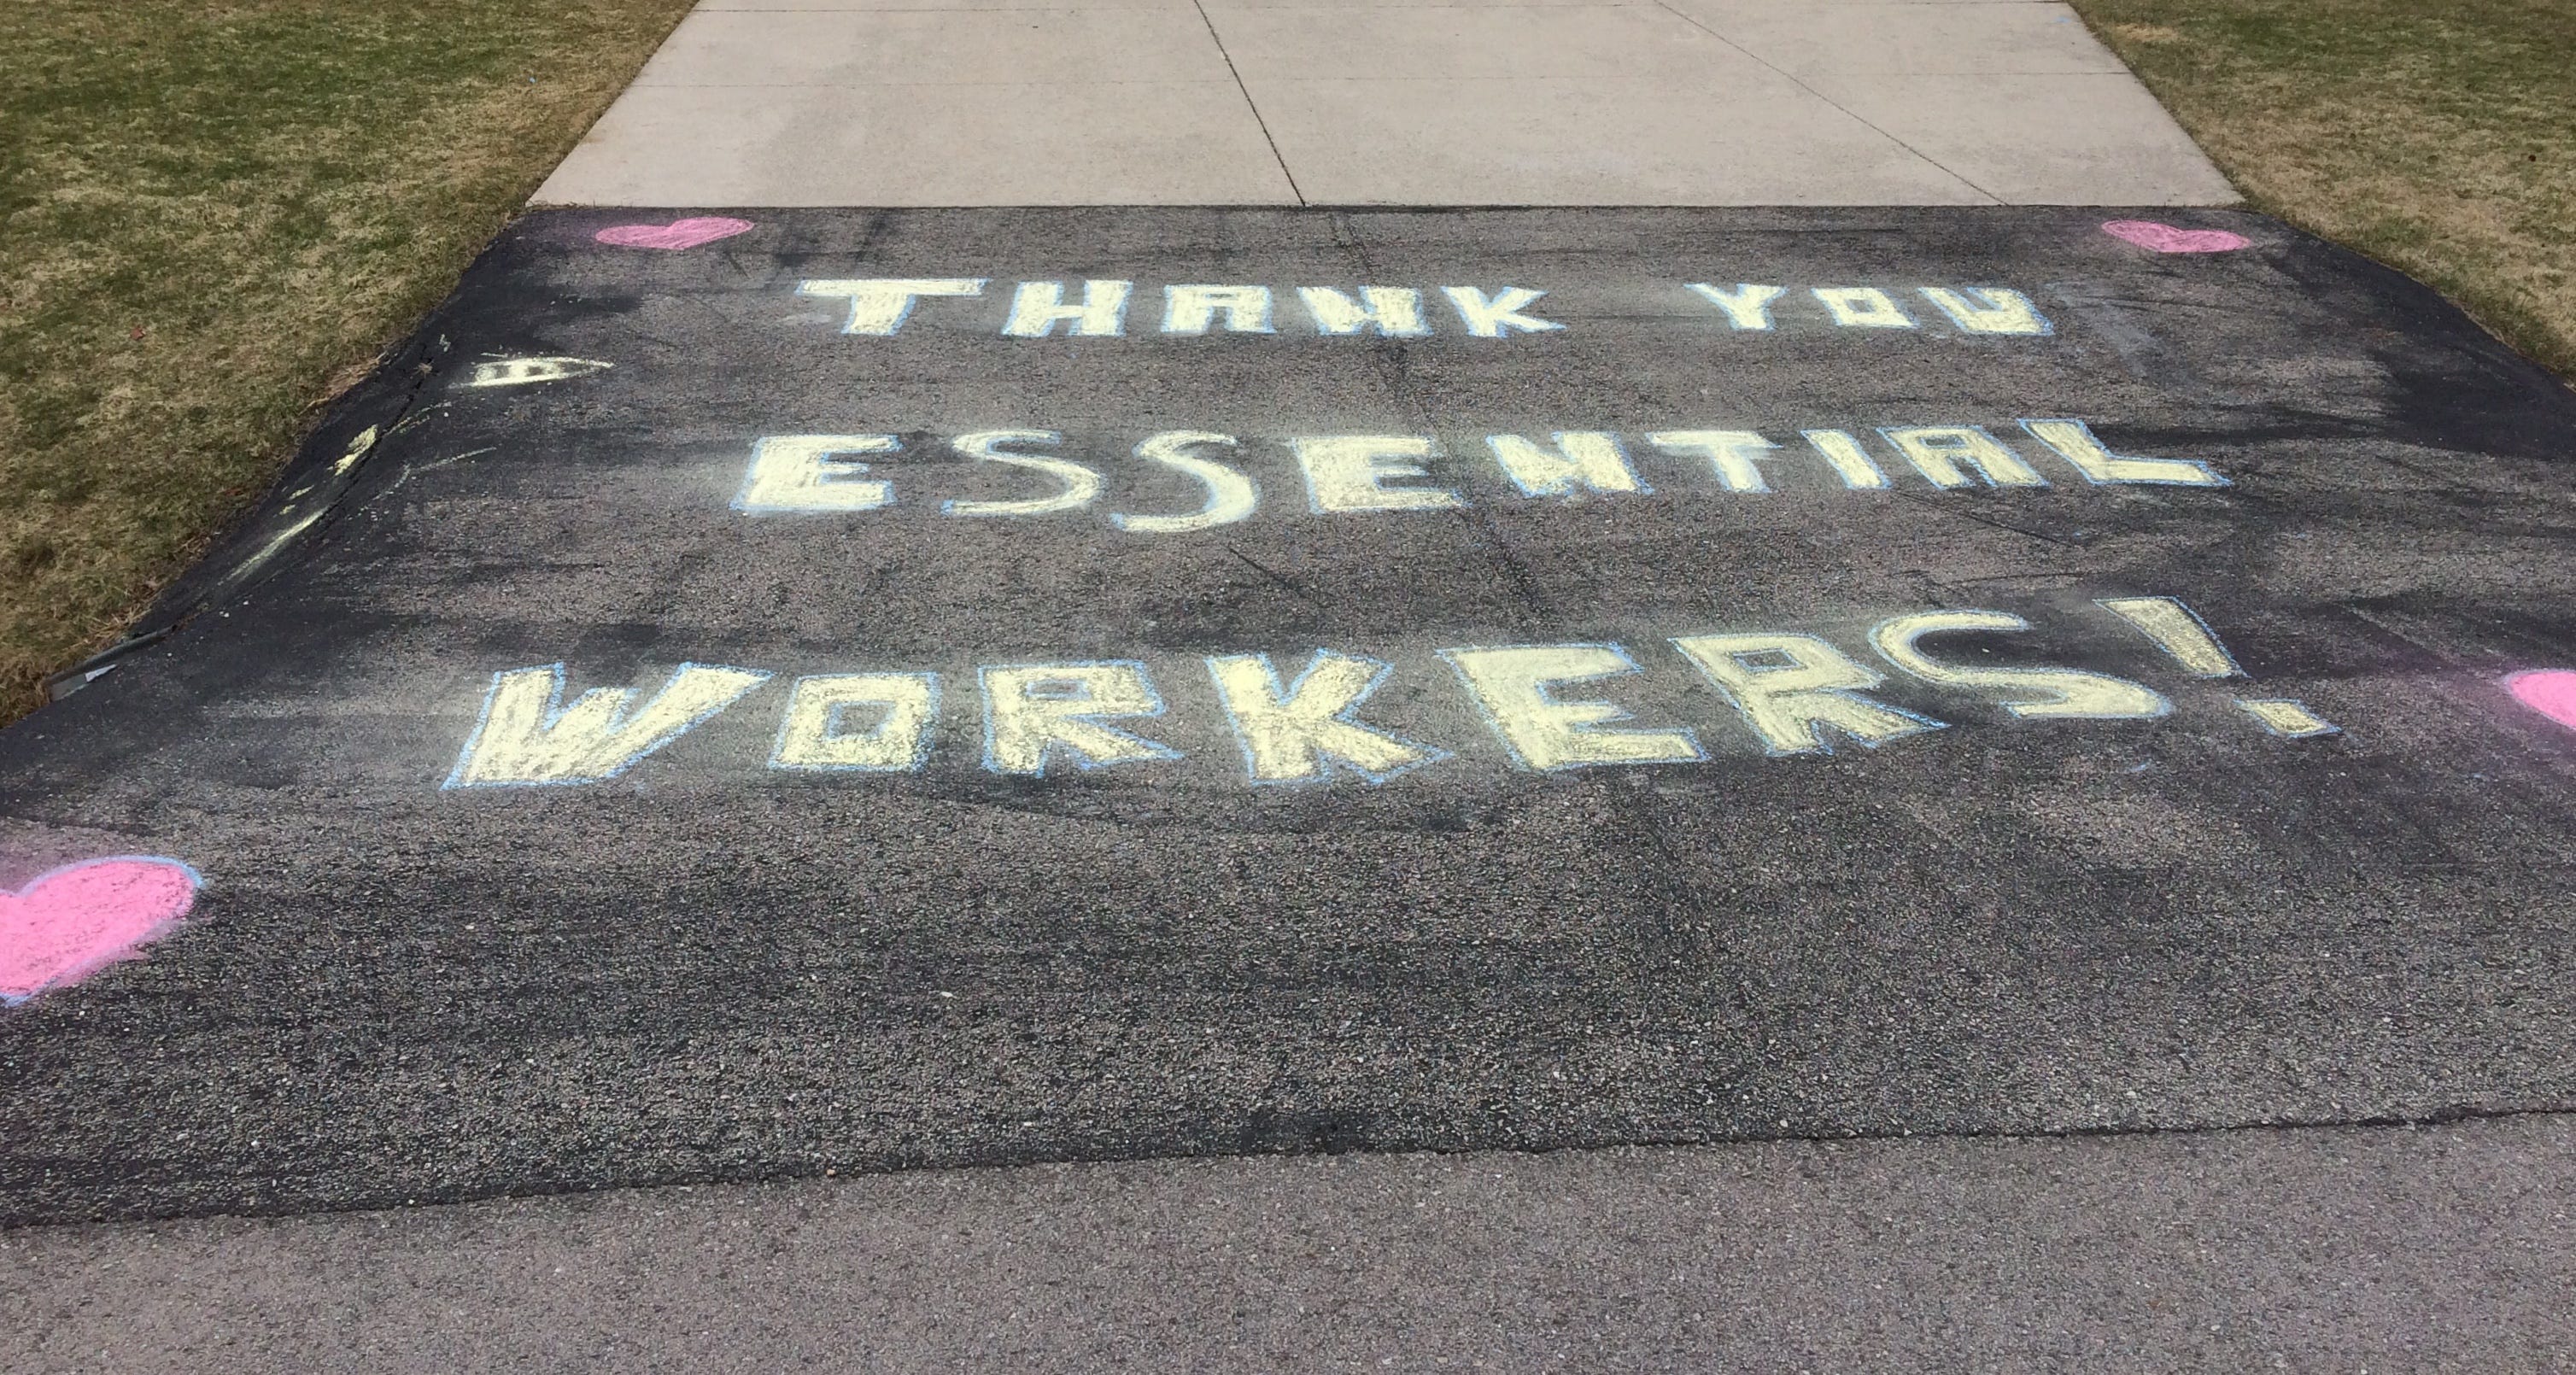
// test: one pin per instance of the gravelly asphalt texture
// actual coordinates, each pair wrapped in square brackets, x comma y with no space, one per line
[707,968]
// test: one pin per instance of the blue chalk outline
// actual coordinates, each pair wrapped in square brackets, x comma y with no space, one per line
[2046,328]
[832,721]
[2164,704]
[1544,688]
[1156,749]
[2217,478]
[555,709]
[1822,732]
[1332,765]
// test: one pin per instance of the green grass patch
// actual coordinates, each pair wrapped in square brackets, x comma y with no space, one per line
[2438,136]
[212,216]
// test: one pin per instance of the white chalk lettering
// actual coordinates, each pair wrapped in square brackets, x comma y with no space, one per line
[1392,311]
[1494,317]
[1350,472]
[807,472]
[1192,309]
[1038,307]
[880,305]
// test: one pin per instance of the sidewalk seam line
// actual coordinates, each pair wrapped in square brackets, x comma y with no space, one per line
[1219,40]
[1793,79]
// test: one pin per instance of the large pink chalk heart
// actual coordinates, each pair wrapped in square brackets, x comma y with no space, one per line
[63,927]
[676,235]
[2549,691]
[2164,238]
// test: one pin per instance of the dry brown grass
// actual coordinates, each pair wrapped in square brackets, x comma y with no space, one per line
[211,217]
[2438,136]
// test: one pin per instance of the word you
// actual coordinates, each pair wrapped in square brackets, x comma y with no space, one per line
[1550,706]
[675,236]
[69,923]
[882,305]
[820,473]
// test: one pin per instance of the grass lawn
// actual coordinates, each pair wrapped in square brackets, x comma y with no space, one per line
[212,212]
[2438,136]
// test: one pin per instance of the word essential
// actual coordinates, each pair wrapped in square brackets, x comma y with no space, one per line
[823,473]
[1101,309]
[1552,707]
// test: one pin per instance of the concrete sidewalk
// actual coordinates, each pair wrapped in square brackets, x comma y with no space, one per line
[2378,1249]
[1346,102]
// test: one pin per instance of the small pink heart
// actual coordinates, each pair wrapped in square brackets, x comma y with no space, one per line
[69,922]
[2164,238]
[676,235]
[2549,691]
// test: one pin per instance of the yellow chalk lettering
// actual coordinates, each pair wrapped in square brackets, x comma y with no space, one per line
[1748,306]
[2073,440]
[2032,693]
[527,737]
[1493,317]
[1231,496]
[1395,311]
[1514,685]
[1862,307]
[1037,307]
[811,736]
[1730,454]
[1788,686]
[806,472]
[1076,485]
[1589,459]
[1935,452]
[1994,310]
[1850,461]
[2178,632]
[880,305]
[1349,472]
[2286,717]
[1296,734]
[1192,309]
[1038,714]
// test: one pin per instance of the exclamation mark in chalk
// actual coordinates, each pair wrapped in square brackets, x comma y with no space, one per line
[2181,633]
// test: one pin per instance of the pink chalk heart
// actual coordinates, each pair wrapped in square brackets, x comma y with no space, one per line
[69,922]
[2164,238]
[676,235]
[2549,691]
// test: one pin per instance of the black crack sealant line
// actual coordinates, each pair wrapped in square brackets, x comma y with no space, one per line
[330,463]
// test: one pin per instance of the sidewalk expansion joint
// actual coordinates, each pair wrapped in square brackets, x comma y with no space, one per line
[1248,103]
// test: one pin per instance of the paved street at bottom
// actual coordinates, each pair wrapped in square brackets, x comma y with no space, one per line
[2328,1249]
